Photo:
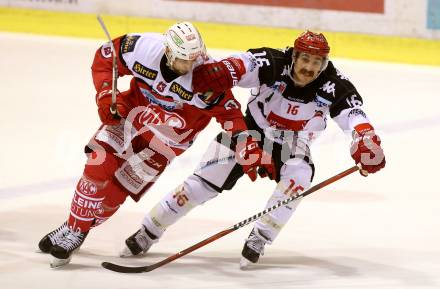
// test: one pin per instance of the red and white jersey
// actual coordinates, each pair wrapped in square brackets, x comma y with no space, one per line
[282,109]
[166,106]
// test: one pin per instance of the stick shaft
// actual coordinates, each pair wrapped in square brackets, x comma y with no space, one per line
[113,108]
[296,196]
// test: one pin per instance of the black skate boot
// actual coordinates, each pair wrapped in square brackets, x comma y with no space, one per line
[51,239]
[253,248]
[63,250]
[138,243]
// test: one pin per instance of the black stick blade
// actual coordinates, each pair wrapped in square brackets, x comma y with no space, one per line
[124,269]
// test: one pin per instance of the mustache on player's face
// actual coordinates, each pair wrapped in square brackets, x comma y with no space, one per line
[306,72]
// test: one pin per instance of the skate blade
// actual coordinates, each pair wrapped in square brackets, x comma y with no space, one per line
[58,263]
[125,253]
[244,263]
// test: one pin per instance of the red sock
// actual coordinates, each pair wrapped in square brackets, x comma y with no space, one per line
[97,196]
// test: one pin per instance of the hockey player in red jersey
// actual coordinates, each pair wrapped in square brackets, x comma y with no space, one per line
[157,119]
[294,91]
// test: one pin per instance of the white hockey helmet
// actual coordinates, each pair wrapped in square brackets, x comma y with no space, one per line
[183,41]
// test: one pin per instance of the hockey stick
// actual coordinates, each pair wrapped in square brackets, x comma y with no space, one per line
[295,196]
[113,108]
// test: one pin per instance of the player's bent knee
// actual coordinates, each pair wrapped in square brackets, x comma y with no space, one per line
[297,173]
[198,190]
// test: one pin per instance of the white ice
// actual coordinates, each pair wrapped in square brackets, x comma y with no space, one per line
[377,232]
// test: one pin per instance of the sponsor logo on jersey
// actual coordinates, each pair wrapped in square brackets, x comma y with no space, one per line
[129,42]
[252,62]
[147,157]
[131,177]
[221,161]
[329,87]
[155,115]
[167,105]
[180,91]
[161,86]
[144,71]
[280,86]
[284,123]
[87,187]
[320,101]
[106,50]
[357,111]
[291,98]
[231,71]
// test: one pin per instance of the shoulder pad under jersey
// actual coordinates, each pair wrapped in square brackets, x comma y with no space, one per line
[271,63]
[339,90]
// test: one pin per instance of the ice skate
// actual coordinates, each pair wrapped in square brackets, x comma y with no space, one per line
[70,243]
[253,248]
[53,238]
[138,243]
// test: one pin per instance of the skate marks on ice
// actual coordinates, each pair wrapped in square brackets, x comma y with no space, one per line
[287,269]
[290,269]
[217,263]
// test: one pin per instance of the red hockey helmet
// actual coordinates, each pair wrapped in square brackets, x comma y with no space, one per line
[313,43]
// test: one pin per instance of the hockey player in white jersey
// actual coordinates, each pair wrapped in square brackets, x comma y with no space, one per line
[157,119]
[294,91]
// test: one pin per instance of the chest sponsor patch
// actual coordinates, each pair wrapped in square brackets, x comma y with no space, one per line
[280,86]
[180,91]
[153,114]
[321,102]
[128,43]
[144,71]
[286,124]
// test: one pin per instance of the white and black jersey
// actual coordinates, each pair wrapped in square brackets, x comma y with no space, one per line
[286,117]
[279,107]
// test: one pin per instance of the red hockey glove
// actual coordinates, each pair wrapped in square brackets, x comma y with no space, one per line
[217,77]
[250,156]
[104,102]
[366,150]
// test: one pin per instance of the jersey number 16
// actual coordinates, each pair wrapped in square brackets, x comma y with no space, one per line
[292,109]
[261,59]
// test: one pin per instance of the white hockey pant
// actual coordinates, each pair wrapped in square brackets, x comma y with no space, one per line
[295,175]
[178,203]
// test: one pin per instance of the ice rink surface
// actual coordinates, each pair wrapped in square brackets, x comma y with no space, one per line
[377,232]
